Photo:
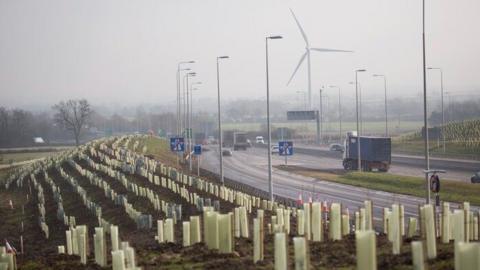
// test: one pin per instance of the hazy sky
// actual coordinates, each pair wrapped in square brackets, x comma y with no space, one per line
[126,52]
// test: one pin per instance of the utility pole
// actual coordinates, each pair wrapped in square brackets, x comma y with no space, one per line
[359,156]
[425,123]
[220,137]
[269,150]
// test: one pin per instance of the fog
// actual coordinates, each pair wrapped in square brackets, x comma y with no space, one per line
[125,53]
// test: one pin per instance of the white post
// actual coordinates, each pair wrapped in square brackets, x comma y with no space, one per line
[417,255]
[280,258]
[301,255]
[366,250]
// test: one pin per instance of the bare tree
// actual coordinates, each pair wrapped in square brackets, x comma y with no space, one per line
[73,115]
[4,126]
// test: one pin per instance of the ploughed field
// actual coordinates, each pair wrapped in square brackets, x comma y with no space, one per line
[168,219]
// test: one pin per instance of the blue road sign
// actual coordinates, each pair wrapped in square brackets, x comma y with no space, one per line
[177,144]
[285,148]
[197,149]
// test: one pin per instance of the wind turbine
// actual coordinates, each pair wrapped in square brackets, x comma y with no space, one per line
[307,54]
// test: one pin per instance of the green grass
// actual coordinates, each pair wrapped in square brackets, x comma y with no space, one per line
[158,148]
[452,191]
[8,158]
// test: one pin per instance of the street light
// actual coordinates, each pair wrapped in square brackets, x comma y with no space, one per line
[386,112]
[443,112]
[358,130]
[220,141]
[187,107]
[320,117]
[339,111]
[360,101]
[178,92]
[425,123]
[190,124]
[270,184]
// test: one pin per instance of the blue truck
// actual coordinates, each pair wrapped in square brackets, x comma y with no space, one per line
[376,153]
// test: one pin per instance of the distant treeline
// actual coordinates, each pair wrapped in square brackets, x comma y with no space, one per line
[457,111]
[19,127]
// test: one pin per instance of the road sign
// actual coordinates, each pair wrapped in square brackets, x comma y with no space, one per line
[301,115]
[197,149]
[177,144]
[435,183]
[285,148]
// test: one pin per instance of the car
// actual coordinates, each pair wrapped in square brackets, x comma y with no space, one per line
[227,153]
[259,139]
[475,178]
[336,147]
[275,149]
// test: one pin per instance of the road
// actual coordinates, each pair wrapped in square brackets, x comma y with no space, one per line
[458,170]
[250,167]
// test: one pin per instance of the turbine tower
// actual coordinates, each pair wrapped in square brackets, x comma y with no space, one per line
[307,54]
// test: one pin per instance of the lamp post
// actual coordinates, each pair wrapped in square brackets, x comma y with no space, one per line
[443,112]
[179,69]
[360,102]
[425,123]
[220,141]
[358,130]
[339,112]
[190,128]
[386,111]
[185,105]
[191,117]
[320,116]
[187,108]
[270,184]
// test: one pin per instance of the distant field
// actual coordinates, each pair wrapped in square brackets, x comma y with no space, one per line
[395,128]
[7,158]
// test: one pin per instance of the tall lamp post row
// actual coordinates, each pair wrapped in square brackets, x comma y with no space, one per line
[179,103]
[188,119]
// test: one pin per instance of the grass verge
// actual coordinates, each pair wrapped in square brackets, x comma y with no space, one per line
[158,148]
[452,191]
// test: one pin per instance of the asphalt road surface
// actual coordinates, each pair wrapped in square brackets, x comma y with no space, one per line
[458,170]
[250,167]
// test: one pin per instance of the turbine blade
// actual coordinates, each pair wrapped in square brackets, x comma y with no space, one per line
[300,27]
[298,66]
[328,50]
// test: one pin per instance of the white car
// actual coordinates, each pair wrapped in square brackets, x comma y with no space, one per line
[275,149]
[259,139]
